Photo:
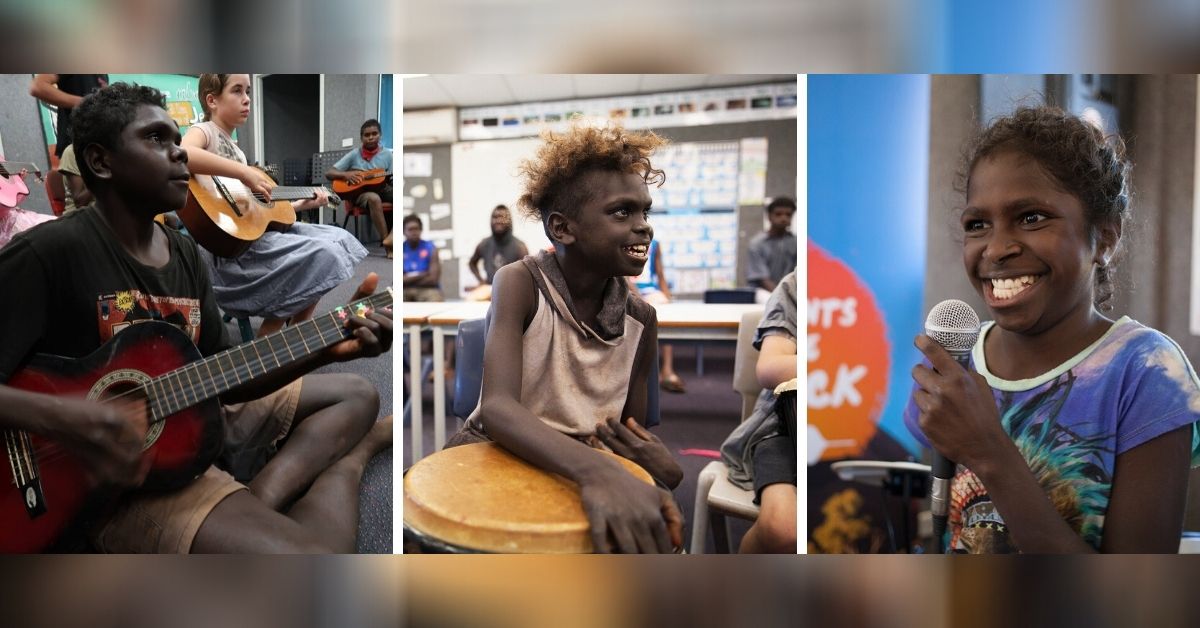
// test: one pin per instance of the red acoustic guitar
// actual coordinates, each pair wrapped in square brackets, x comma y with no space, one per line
[12,189]
[44,488]
[225,217]
[369,178]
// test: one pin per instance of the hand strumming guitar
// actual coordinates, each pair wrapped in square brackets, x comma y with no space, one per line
[372,334]
[108,436]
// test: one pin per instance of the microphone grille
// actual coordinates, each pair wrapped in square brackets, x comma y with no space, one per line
[953,324]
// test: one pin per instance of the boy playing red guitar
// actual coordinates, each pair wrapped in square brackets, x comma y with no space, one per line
[73,283]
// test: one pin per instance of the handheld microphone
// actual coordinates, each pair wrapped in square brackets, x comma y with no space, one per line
[955,326]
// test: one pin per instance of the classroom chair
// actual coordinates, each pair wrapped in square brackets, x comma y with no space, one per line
[468,378]
[356,212]
[56,191]
[716,496]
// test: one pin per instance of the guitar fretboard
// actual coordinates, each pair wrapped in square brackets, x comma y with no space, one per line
[208,378]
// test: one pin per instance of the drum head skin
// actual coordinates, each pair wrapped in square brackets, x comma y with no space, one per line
[480,497]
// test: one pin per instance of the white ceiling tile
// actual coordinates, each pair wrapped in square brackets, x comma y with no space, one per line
[596,85]
[474,90]
[541,87]
[424,93]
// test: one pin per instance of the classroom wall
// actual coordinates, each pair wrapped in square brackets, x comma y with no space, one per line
[781,180]
[290,113]
[781,169]
[350,100]
[22,135]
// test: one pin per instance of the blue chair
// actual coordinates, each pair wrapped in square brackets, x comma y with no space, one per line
[468,378]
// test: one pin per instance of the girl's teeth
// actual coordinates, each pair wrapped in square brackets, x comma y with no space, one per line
[1011,287]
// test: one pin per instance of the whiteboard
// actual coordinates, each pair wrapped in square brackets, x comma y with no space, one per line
[485,175]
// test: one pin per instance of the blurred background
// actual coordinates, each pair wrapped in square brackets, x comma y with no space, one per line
[618,36]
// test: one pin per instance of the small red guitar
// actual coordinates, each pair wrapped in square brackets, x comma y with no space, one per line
[369,179]
[44,488]
[12,189]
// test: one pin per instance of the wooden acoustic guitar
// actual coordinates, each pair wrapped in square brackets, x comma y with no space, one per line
[12,189]
[226,217]
[44,488]
[369,179]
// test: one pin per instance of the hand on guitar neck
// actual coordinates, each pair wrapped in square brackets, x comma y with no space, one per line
[12,185]
[372,334]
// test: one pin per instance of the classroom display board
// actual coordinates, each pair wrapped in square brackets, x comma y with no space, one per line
[180,90]
[695,210]
[772,101]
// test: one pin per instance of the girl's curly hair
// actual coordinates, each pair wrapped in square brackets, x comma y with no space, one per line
[551,176]
[1075,154]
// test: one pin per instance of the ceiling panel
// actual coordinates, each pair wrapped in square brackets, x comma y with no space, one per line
[475,90]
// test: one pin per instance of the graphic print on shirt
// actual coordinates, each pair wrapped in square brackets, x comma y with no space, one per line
[115,312]
[1068,466]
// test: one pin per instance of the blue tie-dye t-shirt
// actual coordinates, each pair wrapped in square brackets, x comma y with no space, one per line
[1070,424]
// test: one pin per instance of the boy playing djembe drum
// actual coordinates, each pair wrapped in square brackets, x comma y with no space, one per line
[569,349]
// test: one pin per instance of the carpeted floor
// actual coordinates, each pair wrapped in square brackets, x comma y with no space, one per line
[701,418]
[375,505]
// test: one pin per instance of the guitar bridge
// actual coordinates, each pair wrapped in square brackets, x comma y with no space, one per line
[227,196]
[24,472]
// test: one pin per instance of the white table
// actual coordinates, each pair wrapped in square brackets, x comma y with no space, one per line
[415,316]
[676,321]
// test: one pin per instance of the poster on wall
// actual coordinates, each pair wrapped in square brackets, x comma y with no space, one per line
[180,90]
[695,211]
[772,101]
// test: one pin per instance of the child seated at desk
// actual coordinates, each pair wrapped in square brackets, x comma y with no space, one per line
[584,344]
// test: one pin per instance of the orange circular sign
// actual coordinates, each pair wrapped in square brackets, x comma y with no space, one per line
[848,359]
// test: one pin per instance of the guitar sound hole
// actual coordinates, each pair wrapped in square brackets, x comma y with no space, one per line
[128,385]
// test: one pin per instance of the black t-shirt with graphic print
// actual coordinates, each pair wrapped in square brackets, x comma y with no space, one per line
[67,286]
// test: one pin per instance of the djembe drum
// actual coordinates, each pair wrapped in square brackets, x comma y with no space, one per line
[480,498]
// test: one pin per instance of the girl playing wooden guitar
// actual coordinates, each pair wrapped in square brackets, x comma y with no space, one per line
[284,273]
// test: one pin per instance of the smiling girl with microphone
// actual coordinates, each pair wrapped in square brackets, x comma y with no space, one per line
[1073,432]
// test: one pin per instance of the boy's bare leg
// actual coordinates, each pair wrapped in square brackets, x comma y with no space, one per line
[304,314]
[325,519]
[775,530]
[375,209]
[334,413]
[270,326]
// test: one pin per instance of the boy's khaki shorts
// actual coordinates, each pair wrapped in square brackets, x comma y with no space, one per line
[168,523]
